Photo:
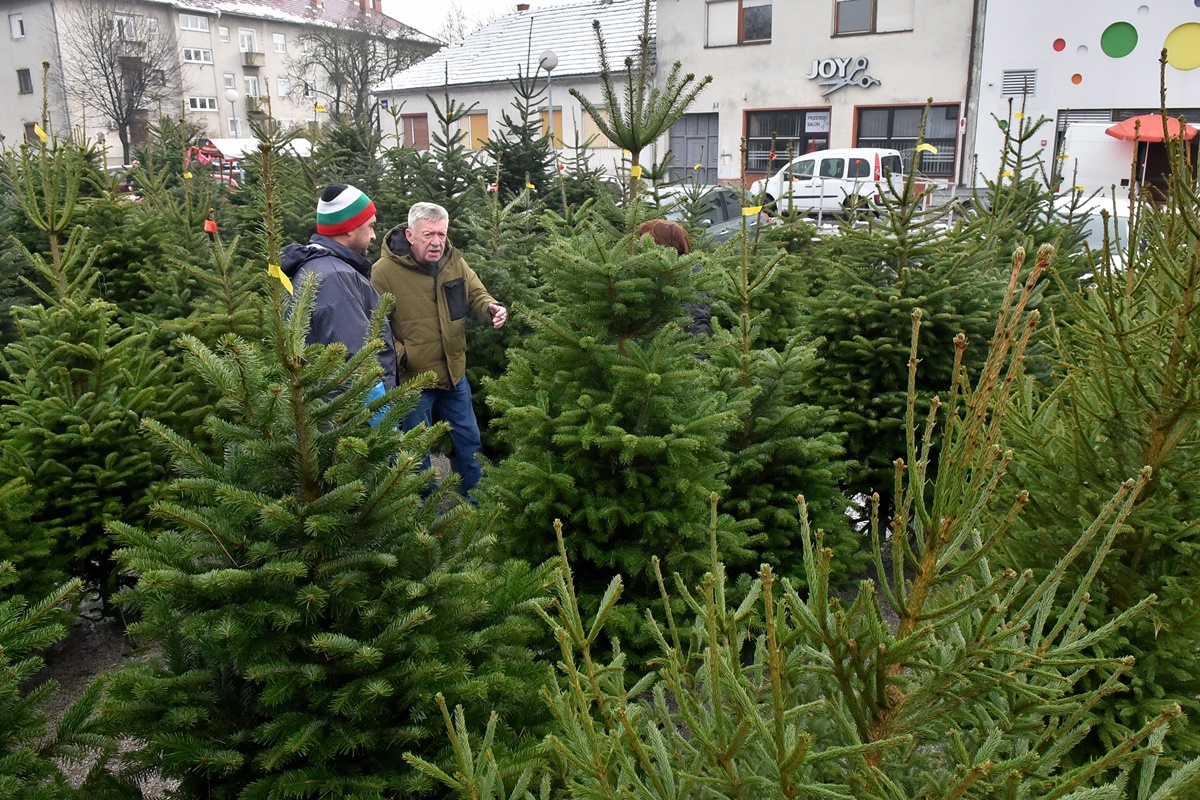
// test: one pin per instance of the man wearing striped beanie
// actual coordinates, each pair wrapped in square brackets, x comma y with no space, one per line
[336,257]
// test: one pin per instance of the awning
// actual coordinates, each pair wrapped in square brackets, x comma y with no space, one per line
[1149,128]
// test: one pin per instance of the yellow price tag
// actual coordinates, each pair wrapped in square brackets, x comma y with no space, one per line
[275,272]
[41,134]
[530,186]
[1018,115]
[187,176]
[636,171]
[926,147]
[750,211]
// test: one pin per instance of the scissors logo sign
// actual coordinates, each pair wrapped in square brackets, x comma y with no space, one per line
[841,72]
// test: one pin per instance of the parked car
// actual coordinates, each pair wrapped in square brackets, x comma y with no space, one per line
[830,180]
[1092,211]
[715,209]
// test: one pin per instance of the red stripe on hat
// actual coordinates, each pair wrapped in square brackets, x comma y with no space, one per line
[347,225]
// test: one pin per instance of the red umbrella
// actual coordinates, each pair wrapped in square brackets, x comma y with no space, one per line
[1149,128]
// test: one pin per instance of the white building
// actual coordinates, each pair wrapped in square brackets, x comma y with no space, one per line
[230,56]
[791,76]
[479,70]
[1095,61]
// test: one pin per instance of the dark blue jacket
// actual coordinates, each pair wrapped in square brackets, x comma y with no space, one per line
[345,297]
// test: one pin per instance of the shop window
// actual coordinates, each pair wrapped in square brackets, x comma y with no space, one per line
[783,134]
[897,128]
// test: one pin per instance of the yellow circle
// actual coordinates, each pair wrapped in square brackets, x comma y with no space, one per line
[1183,46]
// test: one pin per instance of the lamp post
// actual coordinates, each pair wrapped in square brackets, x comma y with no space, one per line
[232,96]
[548,61]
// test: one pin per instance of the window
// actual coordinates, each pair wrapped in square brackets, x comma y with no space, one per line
[280,41]
[193,22]
[223,33]
[591,129]
[283,86]
[306,44]
[230,80]
[832,167]
[415,130]
[558,127]
[152,26]
[252,86]
[897,129]
[872,16]
[126,27]
[202,103]
[310,89]
[247,40]
[31,134]
[783,134]
[157,77]
[738,22]
[1018,82]
[16,26]
[197,55]
[476,130]
[24,81]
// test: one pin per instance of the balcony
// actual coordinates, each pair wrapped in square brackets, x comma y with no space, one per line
[256,106]
[250,58]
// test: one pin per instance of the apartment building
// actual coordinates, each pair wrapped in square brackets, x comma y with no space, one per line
[218,63]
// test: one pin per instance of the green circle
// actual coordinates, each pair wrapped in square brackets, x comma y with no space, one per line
[1118,40]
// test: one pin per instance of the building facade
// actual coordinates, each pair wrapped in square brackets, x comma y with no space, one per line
[481,69]
[221,64]
[791,77]
[1094,62]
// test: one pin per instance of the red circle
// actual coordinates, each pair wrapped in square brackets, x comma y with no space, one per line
[1060,45]
[1076,79]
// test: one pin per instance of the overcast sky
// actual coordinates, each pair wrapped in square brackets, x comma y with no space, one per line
[428,16]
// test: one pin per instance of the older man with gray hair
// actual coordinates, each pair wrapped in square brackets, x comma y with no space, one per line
[435,291]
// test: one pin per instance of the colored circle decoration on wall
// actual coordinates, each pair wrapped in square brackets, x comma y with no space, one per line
[1183,46]
[1118,40]
[1060,45]
[1076,79]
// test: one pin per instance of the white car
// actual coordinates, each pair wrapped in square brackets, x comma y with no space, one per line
[1096,212]
[829,180]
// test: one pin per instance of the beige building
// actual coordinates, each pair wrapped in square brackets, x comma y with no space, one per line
[480,71]
[215,62]
[793,76]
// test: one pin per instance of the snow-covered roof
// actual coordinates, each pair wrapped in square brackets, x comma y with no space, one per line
[301,12]
[493,53]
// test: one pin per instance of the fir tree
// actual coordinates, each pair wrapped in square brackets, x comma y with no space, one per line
[519,148]
[306,603]
[30,751]
[613,424]
[79,383]
[869,279]
[980,689]
[635,116]
[783,445]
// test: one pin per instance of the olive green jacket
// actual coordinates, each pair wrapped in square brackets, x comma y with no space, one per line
[432,304]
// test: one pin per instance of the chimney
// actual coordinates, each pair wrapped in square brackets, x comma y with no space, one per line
[522,7]
[318,5]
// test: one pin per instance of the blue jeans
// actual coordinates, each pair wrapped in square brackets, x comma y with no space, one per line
[453,406]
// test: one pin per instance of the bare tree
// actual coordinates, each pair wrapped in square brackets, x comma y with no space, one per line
[118,63]
[350,59]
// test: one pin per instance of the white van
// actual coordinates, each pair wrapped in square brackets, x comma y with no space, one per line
[824,180]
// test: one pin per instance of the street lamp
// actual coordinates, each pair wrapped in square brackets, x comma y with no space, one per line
[548,61]
[232,96]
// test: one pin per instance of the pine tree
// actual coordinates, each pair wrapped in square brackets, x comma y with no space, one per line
[306,603]
[1124,398]
[614,426]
